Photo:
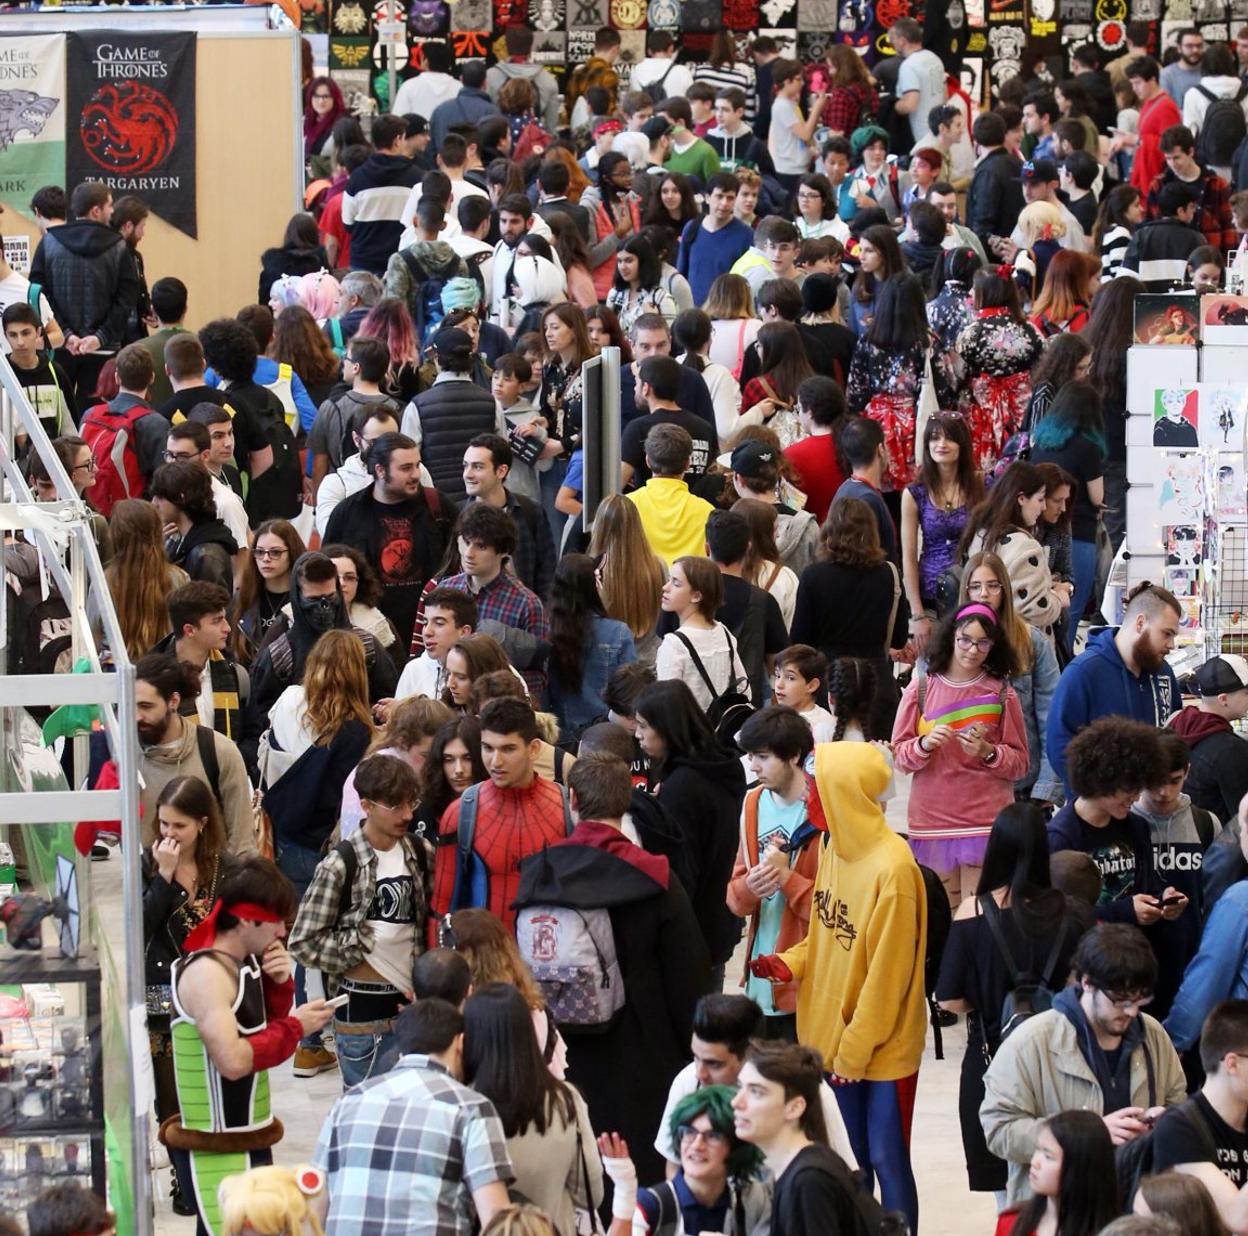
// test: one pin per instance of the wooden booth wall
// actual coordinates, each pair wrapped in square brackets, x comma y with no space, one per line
[249,172]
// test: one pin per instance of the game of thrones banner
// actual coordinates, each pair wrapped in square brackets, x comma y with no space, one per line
[132,104]
[32,116]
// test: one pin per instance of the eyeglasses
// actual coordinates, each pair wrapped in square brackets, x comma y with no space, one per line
[1124,1002]
[978,645]
[89,466]
[269,553]
[712,1137]
[344,578]
[991,586]
[171,457]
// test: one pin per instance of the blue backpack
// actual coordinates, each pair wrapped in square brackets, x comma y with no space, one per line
[427,311]
[472,877]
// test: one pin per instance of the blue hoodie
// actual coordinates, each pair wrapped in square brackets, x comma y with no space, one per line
[1098,684]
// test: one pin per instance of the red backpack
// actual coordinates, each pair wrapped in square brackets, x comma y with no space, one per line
[114,447]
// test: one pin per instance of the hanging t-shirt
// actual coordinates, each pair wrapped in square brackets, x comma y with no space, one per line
[777,821]
[15,290]
[1178,1140]
[392,918]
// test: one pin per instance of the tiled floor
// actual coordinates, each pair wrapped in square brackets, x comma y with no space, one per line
[947,1207]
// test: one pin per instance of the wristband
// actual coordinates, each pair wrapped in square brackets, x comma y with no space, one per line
[279,998]
[991,757]
[275,1043]
[926,750]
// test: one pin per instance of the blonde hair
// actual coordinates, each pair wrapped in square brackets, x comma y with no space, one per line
[335,685]
[631,575]
[139,576]
[519,1219]
[1017,630]
[492,955]
[266,1201]
[729,299]
[410,721]
[1040,221]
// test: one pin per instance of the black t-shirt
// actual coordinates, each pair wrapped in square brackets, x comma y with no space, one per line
[1085,462]
[1177,1139]
[754,618]
[633,445]
[814,1197]
[1084,209]
[50,393]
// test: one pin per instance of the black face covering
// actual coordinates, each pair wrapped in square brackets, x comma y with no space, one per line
[320,613]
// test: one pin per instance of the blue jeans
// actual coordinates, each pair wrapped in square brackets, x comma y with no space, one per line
[358,1054]
[298,864]
[1083,560]
[550,481]
[877,1118]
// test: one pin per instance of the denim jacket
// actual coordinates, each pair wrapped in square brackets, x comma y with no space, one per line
[608,646]
[1219,971]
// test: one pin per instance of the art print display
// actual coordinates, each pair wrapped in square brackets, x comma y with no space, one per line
[1166,318]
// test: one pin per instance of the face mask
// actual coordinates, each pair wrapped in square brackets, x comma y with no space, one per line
[320,613]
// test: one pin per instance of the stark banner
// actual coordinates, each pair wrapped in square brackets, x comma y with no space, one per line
[132,99]
[32,116]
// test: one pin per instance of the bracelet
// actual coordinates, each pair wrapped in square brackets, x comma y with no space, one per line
[991,757]
[925,750]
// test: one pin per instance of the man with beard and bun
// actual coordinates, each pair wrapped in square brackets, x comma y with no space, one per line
[174,746]
[397,523]
[1122,671]
[316,606]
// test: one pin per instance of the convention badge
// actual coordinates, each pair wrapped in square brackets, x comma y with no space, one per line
[309,1179]
[701,16]
[628,14]
[348,53]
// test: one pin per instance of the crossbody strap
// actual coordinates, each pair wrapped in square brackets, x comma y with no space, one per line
[992,916]
[1054,953]
[697,663]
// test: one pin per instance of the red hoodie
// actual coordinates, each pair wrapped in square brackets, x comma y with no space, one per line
[1193,725]
[600,836]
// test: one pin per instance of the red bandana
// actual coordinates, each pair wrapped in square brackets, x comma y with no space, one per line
[205,935]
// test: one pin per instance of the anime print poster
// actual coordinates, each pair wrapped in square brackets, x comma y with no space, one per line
[1176,413]
[1181,490]
[1169,318]
[1224,319]
[1230,489]
[1223,412]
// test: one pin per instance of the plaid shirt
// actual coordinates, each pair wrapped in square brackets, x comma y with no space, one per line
[1213,213]
[505,599]
[404,1152]
[321,940]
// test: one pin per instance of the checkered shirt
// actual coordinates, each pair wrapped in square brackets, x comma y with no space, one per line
[404,1152]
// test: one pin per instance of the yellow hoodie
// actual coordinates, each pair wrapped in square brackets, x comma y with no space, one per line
[861,1001]
[674,520]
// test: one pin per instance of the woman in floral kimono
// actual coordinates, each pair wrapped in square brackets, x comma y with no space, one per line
[886,375]
[997,350]
[949,313]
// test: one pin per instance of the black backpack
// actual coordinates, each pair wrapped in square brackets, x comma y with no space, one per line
[655,89]
[278,492]
[939,925]
[730,708]
[1222,129]
[1029,994]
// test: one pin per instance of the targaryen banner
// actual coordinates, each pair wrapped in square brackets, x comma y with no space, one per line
[131,118]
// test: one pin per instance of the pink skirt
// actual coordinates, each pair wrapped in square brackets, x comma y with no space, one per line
[946,854]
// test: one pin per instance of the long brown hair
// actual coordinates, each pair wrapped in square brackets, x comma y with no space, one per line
[631,577]
[999,512]
[1015,628]
[192,797]
[335,686]
[491,953]
[763,555]
[301,344]
[784,362]
[850,536]
[252,584]
[410,721]
[1066,285]
[573,318]
[849,67]
[970,480]
[729,299]
[484,655]
[139,575]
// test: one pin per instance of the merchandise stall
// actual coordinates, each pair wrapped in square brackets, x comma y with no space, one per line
[1187,501]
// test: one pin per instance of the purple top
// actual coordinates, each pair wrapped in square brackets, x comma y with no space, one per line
[942,530]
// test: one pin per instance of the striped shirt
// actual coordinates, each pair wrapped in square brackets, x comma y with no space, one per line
[1113,249]
[725,75]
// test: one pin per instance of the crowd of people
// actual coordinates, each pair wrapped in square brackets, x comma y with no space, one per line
[473,795]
